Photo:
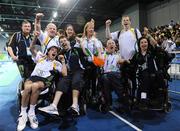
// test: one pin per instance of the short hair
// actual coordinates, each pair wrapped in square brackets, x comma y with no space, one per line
[124,16]
[51,24]
[61,31]
[62,37]
[25,22]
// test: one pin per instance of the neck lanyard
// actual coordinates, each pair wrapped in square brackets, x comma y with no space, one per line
[93,51]
[47,45]
[68,57]
[110,62]
[25,42]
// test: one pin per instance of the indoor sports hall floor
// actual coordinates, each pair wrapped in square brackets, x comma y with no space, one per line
[93,121]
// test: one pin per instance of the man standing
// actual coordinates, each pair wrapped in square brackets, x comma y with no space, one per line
[18,49]
[126,38]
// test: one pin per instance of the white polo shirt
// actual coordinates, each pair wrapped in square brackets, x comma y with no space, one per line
[127,42]
[47,42]
[44,66]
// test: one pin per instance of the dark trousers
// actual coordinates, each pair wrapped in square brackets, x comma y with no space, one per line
[111,81]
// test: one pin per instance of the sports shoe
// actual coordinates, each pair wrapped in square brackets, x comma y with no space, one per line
[33,121]
[22,122]
[74,111]
[50,110]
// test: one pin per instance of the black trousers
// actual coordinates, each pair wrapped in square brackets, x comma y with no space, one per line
[111,81]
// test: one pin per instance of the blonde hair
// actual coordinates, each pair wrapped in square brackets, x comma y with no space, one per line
[92,22]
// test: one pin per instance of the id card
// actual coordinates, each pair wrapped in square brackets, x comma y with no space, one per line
[143,95]
[28,51]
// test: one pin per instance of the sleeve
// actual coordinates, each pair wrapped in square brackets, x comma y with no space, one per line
[12,41]
[39,55]
[114,35]
[138,34]
[42,37]
[58,66]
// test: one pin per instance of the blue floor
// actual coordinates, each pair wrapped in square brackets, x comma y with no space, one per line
[93,121]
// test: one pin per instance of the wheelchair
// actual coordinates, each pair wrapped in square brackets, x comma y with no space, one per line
[147,91]
[46,95]
[155,97]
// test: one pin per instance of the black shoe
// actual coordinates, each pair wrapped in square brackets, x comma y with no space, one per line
[104,108]
[73,111]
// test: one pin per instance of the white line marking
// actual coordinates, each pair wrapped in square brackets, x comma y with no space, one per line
[125,121]
[176,92]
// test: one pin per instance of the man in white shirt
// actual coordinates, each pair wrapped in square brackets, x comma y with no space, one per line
[49,37]
[127,37]
[37,82]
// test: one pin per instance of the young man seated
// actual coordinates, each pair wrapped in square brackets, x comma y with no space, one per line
[74,80]
[111,77]
[37,82]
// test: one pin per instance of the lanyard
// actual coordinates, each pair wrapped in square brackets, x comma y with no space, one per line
[47,45]
[68,58]
[107,63]
[25,42]
[93,51]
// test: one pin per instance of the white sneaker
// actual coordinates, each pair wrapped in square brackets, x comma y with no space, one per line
[22,120]
[33,121]
[50,110]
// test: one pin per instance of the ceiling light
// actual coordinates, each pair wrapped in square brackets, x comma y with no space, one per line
[7,36]
[2,30]
[52,20]
[55,14]
[63,1]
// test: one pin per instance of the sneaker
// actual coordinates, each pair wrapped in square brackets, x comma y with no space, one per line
[33,121]
[22,120]
[74,111]
[50,110]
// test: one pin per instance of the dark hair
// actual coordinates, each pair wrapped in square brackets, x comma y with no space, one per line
[63,36]
[149,45]
[61,31]
[51,48]
[68,25]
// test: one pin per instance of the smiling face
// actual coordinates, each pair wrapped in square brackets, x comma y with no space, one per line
[110,46]
[143,44]
[51,30]
[65,43]
[52,53]
[126,22]
[70,31]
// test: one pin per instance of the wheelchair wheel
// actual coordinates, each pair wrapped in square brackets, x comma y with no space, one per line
[19,93]
[168,107]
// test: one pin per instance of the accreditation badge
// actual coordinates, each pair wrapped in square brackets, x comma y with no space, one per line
[28,51]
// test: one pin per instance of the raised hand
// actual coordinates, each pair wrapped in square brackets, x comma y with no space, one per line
[108,22]
[39,15]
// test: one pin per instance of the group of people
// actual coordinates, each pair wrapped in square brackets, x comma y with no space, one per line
[73,57]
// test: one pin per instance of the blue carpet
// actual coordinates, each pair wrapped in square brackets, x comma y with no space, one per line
[93,121]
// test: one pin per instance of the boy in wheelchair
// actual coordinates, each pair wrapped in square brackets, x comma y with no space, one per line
[148,71]
[36,83]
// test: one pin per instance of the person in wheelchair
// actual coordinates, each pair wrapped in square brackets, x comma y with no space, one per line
[74,80]
[150,71]
[36,83]
[111,77]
